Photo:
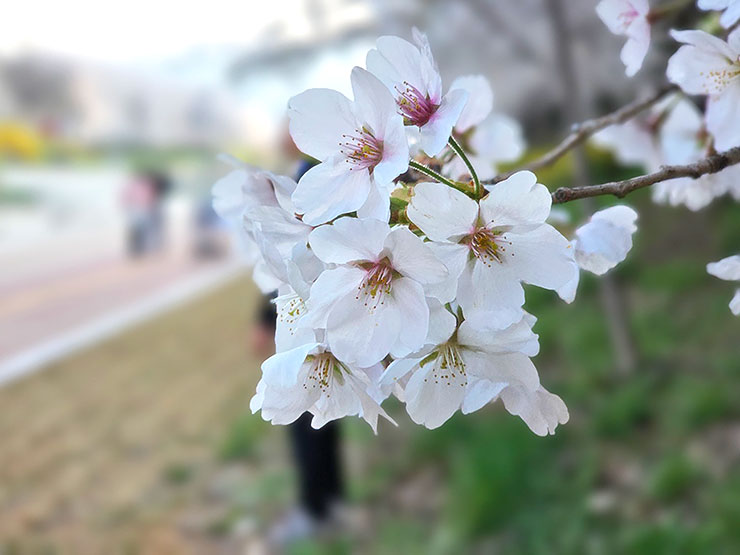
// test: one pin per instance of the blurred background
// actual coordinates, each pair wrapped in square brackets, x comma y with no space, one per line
[129,346]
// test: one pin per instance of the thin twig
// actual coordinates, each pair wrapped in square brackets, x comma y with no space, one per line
[710,164]
[582,131]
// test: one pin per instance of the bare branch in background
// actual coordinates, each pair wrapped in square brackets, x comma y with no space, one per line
[584,130]
[710,164]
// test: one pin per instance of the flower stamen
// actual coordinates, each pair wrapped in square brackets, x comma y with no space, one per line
[363,150]
[415,107]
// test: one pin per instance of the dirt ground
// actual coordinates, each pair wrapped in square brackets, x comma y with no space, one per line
[116,449]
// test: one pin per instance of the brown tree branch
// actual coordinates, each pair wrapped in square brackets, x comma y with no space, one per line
[582,131]
[710,164]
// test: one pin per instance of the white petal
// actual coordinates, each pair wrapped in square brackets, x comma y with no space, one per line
[697,67]
[395,61]
[480,100]
[349,240]
[541,410]
[518,200]
[281,369]
[498,139]
[408,296]
[723,116]
[455,257]
[288,332]
[510,368]
[735,303]
[542,257]
[606,239]
[377,206]
[412,258]
[331,189]
[479,393]
[727,268]
[437,130]
[433,395]
[728,19]
[637,45]
[375,105]
[360,334]
[476,333]
[491,291]
[442,323]
[318,118]
[441,212]
[328,288]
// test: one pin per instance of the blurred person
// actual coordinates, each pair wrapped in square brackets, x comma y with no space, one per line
[138,204]
[315,452]
[143,203]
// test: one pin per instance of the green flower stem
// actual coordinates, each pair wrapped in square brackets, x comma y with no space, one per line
[438,177]
[461,153]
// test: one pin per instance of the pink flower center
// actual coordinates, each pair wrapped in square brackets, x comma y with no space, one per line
[376,285]
[362,150]
[486,245]
[415,107]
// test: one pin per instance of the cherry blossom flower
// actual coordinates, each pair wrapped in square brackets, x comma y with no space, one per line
[488,138]
[605,240]
[410,73]
[728,269]
[310,378]
[470,367]
[731,9]
[709,66]
[246,190]
[373,302]
[683,140]
[628,18]
[362,147]
[491,247]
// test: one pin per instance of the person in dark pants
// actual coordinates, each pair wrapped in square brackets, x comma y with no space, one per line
[317,458]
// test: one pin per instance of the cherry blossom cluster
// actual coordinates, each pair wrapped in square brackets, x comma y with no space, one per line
[674,131]
[391,284]
[399,259]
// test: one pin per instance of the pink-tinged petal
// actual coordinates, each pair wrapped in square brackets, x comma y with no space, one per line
[408,296]
[331,189]
[281,370]
[411,257]
[723,116]
[441,212]
[636,48]
[618,15]
[480,100]
[516,201]
[361,334]
[704,65]
[318,118]
[491,291]
[395,61]
[542,257]
[395,159]
[349,240]
[437,130]
[541,410]
[328,288]
[433,395]
[727,268]
[430,73]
